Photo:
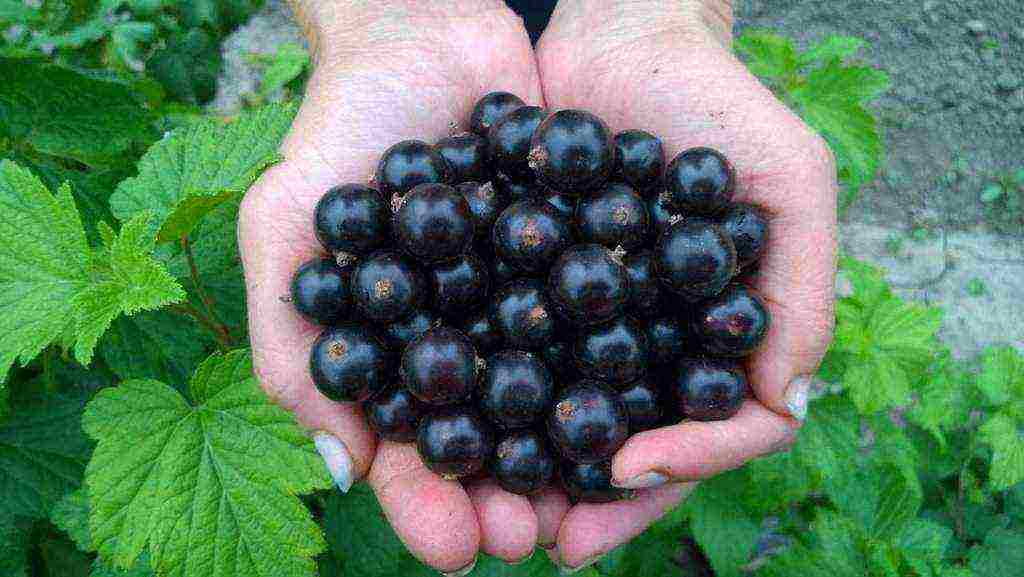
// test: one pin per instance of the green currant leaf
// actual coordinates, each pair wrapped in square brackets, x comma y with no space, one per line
[922,544]
[188,66]
[1001,555]
[14,547]
[725,530]
[767,55]
[1002,432]
[71,515]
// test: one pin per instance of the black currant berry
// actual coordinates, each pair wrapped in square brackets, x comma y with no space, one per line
[460,285]
[394,415]
[613,216]
[643,405]
[490,108]
[695,257]
[400,333]
[485,204]
[644,286]
[408,164]
[466,155]
[700,180]
[558,358]
[733,324]
[517,189]
[572,151]
[387,287]
[516,389]
[454,441]
[663,214]
[434,223]
[613,353]
[747,226]
[588,284]
[588,422]
[508,140]
[349,364]
[639,160]
[667,340]
[439,366]
[530,234]
[709,389]
[522,314]
[322,290]
[354,219]
[522,463]
[564,203]
[590,482]
[502,273]
[482,333]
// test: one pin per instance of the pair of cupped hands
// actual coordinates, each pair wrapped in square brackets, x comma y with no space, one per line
[400,69]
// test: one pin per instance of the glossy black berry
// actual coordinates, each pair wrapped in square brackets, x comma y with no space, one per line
[454,441]
[486,338]
[639,160]
[354,219]
[321,290]
[588,422]
[508,140]
[695,258]
[747,226]
[408,164]
[522,463]
[402,332]
[588,284]
[663,214]
[386,287]
[466,155]
[522,314]
[490,108]
[613,216]
[460,285]
[558,357]
[644,287]
[394,415]
[667,340]
[434,223]
[709,389]
[572,151]
[530,234]
[349,364]
[485,204]
[590,482]
[700,180]
[564,203]
[643,405]
[733,324]
[439,366]
[613,353]
[516,389]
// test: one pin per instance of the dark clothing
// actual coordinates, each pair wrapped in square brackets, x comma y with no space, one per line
[536,13]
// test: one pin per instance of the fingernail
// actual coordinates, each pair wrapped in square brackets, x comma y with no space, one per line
[337,458]
[566,570]
[796,396]
[462,572]
[524,559]
[643,481]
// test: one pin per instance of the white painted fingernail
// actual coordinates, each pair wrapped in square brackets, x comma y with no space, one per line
[462,572]
[796,396]
[337,458]
[566,570]
[643,481]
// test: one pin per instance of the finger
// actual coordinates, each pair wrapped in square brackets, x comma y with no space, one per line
[550,504]
[592,529]
[508,525]
[694,450]
[434,518]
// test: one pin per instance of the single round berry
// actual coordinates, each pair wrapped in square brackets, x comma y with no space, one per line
[588,284]
[490,108]
[733,324]
[564,203]
[322,291]
[466,155]
[394,415]
[644,286]
[522,463]
[613,353]
[639,159]
[700,180]
[508,140]
[663,214]
[747,226]
[434,223]
[695,258]
[439,366]
[522,314]
[590,482]
[572,151]
[349,364]
[485,204]
[482,333]
[643,405]
[408,164]
[667,340]
[613,216]
[400,333]
[558,358]
[516,389]
[530,234]
[460,285]
[516,189]
[709,389]
[353,219]
[387,287]
[588,422]
[454,441]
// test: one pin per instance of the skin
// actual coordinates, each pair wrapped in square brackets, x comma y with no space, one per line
[404,69]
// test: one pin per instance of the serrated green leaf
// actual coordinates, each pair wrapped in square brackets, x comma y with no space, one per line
[222,15]
[725,530]
[944,399]
[1001,555]
[188,66]
[836,551]
[210,488]
[777,481]
[71,515]
[538,566]
[60,558]
[652,554]
[877,382]
[833,47]
[1013,502]
[1001,380]
[158,345]
[904,330]
[828,443]
[196,168]
[1002,433]
[767,55]
[922,544]
[141,568]
[287,64]
[14,546]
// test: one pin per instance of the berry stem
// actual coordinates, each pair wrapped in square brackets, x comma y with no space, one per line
[212,321]
[220,332]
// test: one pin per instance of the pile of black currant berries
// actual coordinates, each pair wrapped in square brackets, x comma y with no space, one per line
[519,300]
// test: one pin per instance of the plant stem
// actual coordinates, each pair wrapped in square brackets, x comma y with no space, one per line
[220,332]
[219,327]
